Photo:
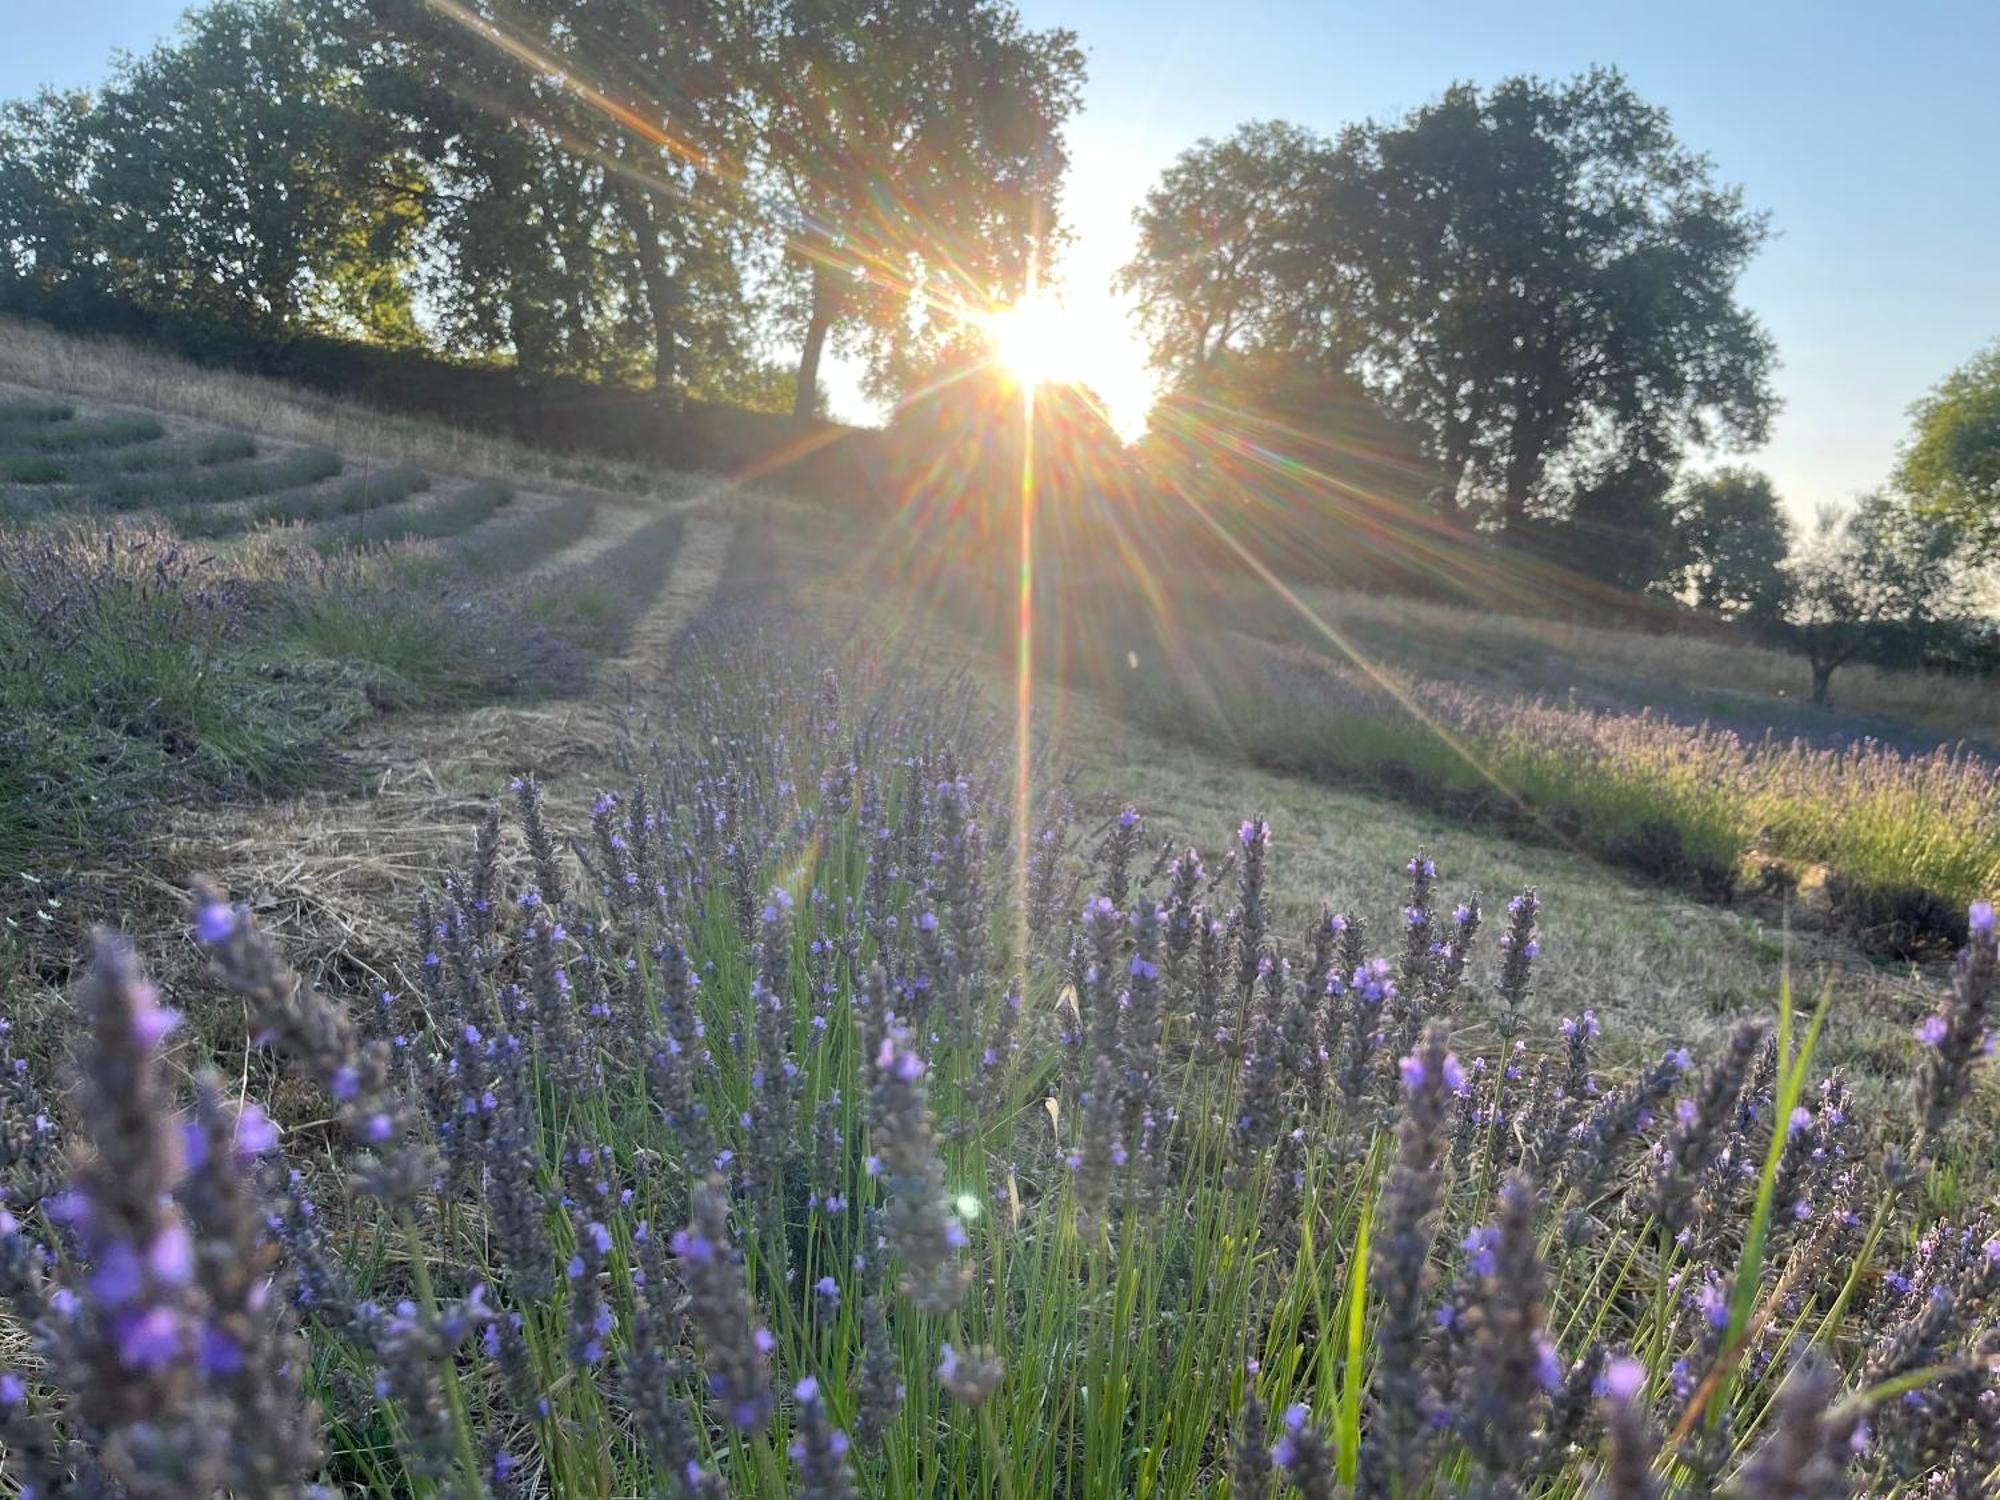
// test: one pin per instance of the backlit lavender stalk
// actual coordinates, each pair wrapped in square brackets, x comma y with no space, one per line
[1306,1456]
[819,1448]
[1253,922]
[1957,1034]
[1205,1001]
[564,1051]
[652,1369]
[880,1390]
[1699,1130]
[542,849]
[1811,1443]
[1519,948]
[917,1219]
[1628,1472]
[248,1350]
[1589,1154]
[414,1353]
[586,1315]
[318,1038]
[1139,1050]
[1416,927]
[735,1348]
[1400,1395]
[507,1148]
[1448,956]
[1249,1459]
[1184,915]
[31,1158]
[1100,1154]
[1511,1363]
[128,1343]
[1114,855]
[1260,1106]
[774,1079]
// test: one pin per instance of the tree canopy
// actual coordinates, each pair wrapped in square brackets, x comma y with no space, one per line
[1879,578]
[1727,546]
[652,193]
[1951,465]
[1539,276]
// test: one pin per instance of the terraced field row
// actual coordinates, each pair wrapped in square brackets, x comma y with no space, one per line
[61,463]
[189,613]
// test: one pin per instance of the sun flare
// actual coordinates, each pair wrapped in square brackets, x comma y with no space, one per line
[1035,341]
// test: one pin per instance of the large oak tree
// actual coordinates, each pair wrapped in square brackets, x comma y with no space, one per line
[1538,275]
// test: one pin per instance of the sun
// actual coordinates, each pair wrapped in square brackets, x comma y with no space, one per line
[1035,341]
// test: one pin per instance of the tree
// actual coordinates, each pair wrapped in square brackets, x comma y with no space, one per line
[586,162]
[48,248]
[1727,546]
[231,176]
[1951,465]
[914,149]
[1879,578]
[1541,277]
[1220,237]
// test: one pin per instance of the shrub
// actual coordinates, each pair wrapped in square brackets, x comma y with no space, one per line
[525,540]
[30,468]
[461,510]
[796,1122]
[41,436]
[191,501]
[433,639]
[129,679]
[31,409]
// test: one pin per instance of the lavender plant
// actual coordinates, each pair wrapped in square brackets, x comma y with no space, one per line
[935,1175]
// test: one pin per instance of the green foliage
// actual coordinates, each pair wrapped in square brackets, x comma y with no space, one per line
[1881,579]
[1951,466]
[523,541]
[963,109]
[594,605]
[158,190]
[127,681]
[1539,277]
[1728,545]
[136,673]
[34,409]
[70,437]
[460,511]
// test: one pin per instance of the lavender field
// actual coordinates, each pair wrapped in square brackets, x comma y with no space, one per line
[965,750]
[822,1119]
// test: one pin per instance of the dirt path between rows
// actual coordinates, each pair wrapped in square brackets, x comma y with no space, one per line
[336,875]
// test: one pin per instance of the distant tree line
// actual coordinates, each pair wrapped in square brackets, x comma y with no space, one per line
[665,193]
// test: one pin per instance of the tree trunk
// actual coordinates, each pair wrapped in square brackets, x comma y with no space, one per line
[662,292]
[1822,680]
[817,324]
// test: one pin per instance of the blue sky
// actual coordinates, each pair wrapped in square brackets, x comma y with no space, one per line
[1868,131]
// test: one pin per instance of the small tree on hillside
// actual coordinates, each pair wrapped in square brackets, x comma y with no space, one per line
[1727,546]
[1880,579]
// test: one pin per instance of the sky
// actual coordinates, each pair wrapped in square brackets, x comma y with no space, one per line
[1868,132]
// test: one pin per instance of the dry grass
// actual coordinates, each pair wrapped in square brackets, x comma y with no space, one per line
[336,877]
